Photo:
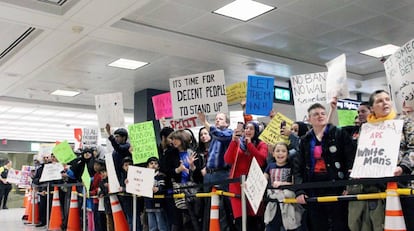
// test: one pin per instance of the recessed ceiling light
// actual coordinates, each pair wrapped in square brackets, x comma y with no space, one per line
[127,64]
[381,51]
[65,93]
[244,9]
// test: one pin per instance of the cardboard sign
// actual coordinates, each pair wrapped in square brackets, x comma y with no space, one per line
[110,110]
[336,80]
[140,181]
[307,90]
[14,176]
[113,182]
[236,92]
[259,99]
[175,124]
[63,152]
[400,75]
[256,184]
[272,133]
[378,148]
[51,172]
[143,141]
[90,137]
[203,92]
[162,105]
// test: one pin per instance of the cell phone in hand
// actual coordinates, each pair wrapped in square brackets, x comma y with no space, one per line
[239,129]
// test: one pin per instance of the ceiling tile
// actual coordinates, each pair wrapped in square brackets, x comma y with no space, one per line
[405,13]
[397,36]
[360,45]
[276,20]
[374,25]
[310,29]
[381,5]
[337,37]
[246,33]
[209,24]
[348,15]
[315,8]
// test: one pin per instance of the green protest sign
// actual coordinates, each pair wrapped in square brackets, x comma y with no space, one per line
[86,179]
[346,117]
[143,141]
[63,152]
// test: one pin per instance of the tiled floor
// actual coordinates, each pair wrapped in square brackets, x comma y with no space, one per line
[11,220]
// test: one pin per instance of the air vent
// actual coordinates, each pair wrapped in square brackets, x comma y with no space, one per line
[54,2]
[25,38]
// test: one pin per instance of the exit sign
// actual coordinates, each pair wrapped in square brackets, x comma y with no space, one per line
[282,94]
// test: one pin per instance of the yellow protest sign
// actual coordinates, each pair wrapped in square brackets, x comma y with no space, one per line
[271,134]
[236,92]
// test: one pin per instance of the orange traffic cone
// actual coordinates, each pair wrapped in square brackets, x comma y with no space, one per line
[74,216]
[56,213]
[120,222]
[26,198]
[394,219]
[214,211]
[33,216]
[28,205]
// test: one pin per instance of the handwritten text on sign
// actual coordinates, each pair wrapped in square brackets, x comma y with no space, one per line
[162,105]
[203,92]
[378,147]
[140,181]
[143,141]
[259,95]
[400,75]
[255,185]
[307,90]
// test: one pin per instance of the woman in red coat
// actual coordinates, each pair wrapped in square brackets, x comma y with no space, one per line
[240,153]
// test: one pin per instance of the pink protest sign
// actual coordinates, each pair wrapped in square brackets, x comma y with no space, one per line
[162,105]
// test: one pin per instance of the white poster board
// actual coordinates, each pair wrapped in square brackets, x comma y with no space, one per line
[51,171]
[256,184]
[191,122]
[110,110]
[336,80]
[90,137]
[113,182]
[307,90]
[400,75]
[45,149]
[140,181]
[14,176]
[202,92]
[378,147]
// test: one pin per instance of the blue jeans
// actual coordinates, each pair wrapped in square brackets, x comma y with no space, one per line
[157,221]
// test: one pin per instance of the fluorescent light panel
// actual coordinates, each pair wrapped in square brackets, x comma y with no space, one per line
[65,93]
[244,9]
[127,64]
[381,51]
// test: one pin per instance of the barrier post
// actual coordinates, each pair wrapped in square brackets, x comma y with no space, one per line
[243,202]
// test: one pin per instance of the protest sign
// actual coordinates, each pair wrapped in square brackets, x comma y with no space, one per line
[25,180]
[63,152]
[110,110]
[14,176]
[378,148]
[162,105]
[272,133]
[256,184]
[259,99]
[140,181]
[236,92]
[143,141]
[307,90]
[89,137]
[113,182]
[175,124]
[51,171]
[336,81]
[203,92]
[400,75]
